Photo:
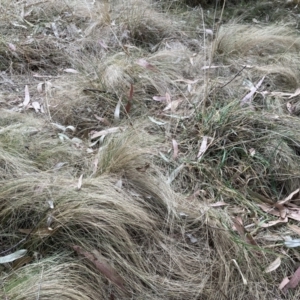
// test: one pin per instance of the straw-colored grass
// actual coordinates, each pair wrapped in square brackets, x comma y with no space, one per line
[105,177]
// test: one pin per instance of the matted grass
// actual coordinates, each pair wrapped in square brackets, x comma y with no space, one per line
[139,141]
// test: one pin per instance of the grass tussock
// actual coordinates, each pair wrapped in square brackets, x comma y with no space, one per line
[139,141]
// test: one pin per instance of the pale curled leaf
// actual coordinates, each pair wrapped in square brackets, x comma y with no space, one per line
[193,240]
[60,127]
[159,98]
[274,265]
[175,173]
[156,122]
[73,71]
[13,256]
[209,32]
[173,105]
[106,131]
[12,47]
[290,197]
[119,184]
[168,97]
[103,120]
[283,283]
[188,81]
[290,107]
[238,267]
[252,152]
[218,204]
[79,182]
[117,110]
[296,93]
[175,148]
[204,146]
[50,203]
[36,106]
[273,223]
[253,89]
[292,243]
[27,96]
[164,157]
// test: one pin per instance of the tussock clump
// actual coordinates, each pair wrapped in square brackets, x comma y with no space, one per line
[94,210]
[29,144]
[271,50]
[259,42]
[128,225]
[129,219]
[55,277]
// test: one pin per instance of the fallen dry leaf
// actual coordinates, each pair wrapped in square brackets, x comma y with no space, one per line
[188,81]
[252,152]
[204,146]
[117,110]
[294,281]
[274,265]
[100,263]
[295,215]
[296,93]
[79,182]
[290,107]
[273,223]
[159,98]
[27,96]
[106,131]
[282,210]
[73,71]
[173,105]
[290,197]
[168,98]
[248,97]
[12,47]
[36,106]
[103,120]
[218,204]
[238,226]
[283,283]
[175,173]
[175,148]
[269,209]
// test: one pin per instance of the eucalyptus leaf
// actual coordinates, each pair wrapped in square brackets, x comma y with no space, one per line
[13,256]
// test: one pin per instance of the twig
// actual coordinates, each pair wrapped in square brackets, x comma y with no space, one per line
[236,75]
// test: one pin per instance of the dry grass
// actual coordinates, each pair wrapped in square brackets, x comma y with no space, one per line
[128,213]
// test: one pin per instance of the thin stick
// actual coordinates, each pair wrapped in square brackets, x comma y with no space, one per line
[236,75]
